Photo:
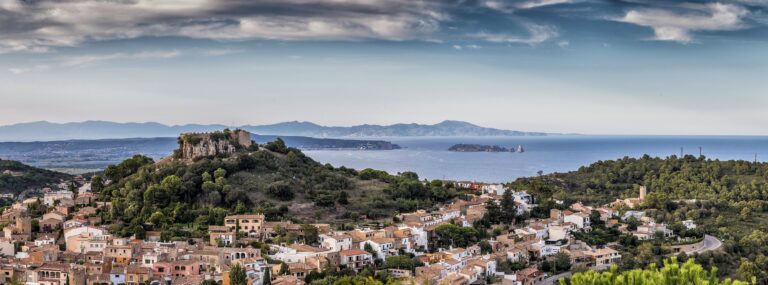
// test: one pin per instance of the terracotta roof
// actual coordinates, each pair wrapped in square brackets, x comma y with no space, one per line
[354,251]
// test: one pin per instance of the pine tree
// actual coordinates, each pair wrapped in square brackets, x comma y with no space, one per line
[671,273]
[237,275]
[508,207]
[267,277]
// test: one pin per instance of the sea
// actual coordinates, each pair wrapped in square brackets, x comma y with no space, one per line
[429,156]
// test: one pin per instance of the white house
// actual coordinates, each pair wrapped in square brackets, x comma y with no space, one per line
[297,252]
[557,232]
[383,247]
[336,242]
[581,220]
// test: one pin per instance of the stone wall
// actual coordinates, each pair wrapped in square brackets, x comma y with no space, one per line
[195,145]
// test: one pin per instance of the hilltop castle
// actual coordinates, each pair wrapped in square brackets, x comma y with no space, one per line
[195,145]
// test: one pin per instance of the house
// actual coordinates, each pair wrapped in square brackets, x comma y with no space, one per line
[84,199]
[221,234]
[639,215]
[495,189]
[689,224]
[50,273]
[607,213]
[581,220]
[651,231]
[84,239]
[454,278]
[336,242]
[287,280]
[603,257]
[50,199]
[117,275]
[355,258]
[527,276]
[382,246]
[7,247]
[524,202]
[517,254]
[557,232]
[50,224]
[253,225]
[137,275]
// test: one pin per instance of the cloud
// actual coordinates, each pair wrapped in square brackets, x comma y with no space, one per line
[221,52]
[537,34]
[42,24]
[20,70]
[83,60]
[678,26]
[540,3]
[469,46]
[498,5]
[506,6]
[88,59]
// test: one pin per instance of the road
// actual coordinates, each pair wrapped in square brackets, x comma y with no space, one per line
[710,243]
[554,279]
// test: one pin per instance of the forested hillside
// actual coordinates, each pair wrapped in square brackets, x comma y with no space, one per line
[727,199]
[16,177]
[667,179]
[182,198]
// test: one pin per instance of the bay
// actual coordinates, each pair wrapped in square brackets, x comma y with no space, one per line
[430,158]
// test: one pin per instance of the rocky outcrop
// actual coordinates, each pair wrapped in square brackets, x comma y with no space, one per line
[223,143]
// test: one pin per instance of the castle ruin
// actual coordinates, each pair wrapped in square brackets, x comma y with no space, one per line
[195,145]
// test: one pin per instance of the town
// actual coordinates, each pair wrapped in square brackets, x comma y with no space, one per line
[55,236]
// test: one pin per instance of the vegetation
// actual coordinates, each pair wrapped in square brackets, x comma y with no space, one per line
[450,235]
[31,177]
[182,198]
[237,275]
[727,199]
[671,273]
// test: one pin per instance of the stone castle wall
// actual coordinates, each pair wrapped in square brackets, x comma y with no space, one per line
[195,145]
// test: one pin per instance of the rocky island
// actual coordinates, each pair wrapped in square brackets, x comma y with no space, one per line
[478,148]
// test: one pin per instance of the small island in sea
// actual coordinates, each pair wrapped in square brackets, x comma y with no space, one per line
[483,148]
[478,148]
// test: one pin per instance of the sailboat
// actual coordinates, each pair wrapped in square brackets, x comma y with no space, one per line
[519,148]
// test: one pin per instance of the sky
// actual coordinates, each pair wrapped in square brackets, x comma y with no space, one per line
[570,66]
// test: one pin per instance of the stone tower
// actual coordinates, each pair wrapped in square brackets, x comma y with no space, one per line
[642,192]
[24,225]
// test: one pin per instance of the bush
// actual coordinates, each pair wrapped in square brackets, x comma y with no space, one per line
[280,190]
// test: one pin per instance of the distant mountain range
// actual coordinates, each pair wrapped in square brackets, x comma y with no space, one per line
[88,130]
[97,154]
[443,129]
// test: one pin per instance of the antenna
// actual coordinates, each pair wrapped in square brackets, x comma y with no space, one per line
[699,151]
[755,157]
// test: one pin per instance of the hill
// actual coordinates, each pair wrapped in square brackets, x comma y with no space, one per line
[726,199]
[181,197]
[667,179]
[90,130]
[16,177]
[444,129]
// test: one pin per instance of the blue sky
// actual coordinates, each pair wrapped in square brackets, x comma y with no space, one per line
[586,66]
